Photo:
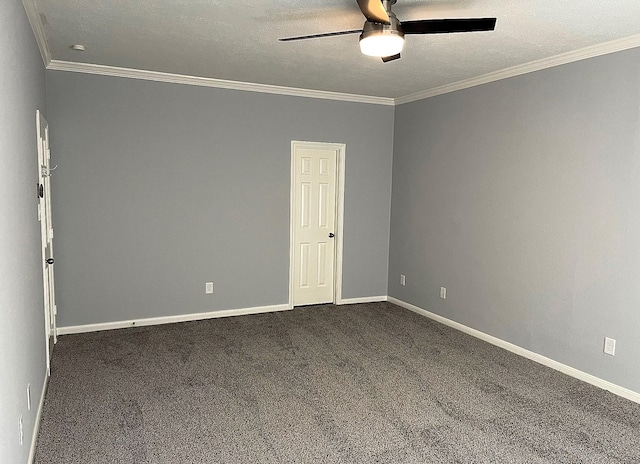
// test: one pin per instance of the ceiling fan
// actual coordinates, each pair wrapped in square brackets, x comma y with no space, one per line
[383,34]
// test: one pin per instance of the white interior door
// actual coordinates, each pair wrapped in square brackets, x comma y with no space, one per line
[46,231]
[314,205]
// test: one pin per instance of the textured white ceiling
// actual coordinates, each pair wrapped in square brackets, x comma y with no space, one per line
[238,41]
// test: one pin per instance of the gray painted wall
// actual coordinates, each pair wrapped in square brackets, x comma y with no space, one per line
[522,198]
[162,187]
[22,339]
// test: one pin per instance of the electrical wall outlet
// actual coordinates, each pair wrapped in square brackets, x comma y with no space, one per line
[443,293]
[29,397]
[208,287]
[403,280]
[21,429]
[609,346]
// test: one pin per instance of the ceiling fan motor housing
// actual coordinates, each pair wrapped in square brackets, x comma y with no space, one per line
[376,37]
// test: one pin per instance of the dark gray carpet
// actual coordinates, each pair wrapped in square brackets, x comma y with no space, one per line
[354,384]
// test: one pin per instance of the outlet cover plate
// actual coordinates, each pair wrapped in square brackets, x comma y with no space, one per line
[609,346]
[208,287]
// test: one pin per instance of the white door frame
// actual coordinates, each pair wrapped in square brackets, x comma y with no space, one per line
[46,234]
[337,274]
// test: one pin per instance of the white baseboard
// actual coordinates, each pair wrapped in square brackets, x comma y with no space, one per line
[36,426]
[568,370]
[195,317]
[170,319]
[364,299]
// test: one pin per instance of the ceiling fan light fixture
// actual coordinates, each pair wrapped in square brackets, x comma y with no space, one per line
[383,34]
[381,43]
[382,39]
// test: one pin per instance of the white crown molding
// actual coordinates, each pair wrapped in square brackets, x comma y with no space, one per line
[38,30]
[538,65]
[568,370]
[129,73]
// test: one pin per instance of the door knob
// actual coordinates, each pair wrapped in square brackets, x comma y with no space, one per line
[50,260]
[331,235]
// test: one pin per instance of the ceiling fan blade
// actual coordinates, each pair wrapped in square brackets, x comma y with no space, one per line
[445,26]
[374,11]
[386,59]
[317,36]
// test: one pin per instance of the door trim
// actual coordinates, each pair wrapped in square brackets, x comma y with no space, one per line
[46,234]
[340,163]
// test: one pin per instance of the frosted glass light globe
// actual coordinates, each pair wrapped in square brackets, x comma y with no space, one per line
[381,44]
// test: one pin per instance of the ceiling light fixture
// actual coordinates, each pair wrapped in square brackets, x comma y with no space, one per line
[381,44]
[382,40]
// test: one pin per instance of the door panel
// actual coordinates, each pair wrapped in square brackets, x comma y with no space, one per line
[314,217]
[46,232]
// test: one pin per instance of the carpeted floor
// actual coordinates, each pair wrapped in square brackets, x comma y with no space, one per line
[369,383]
